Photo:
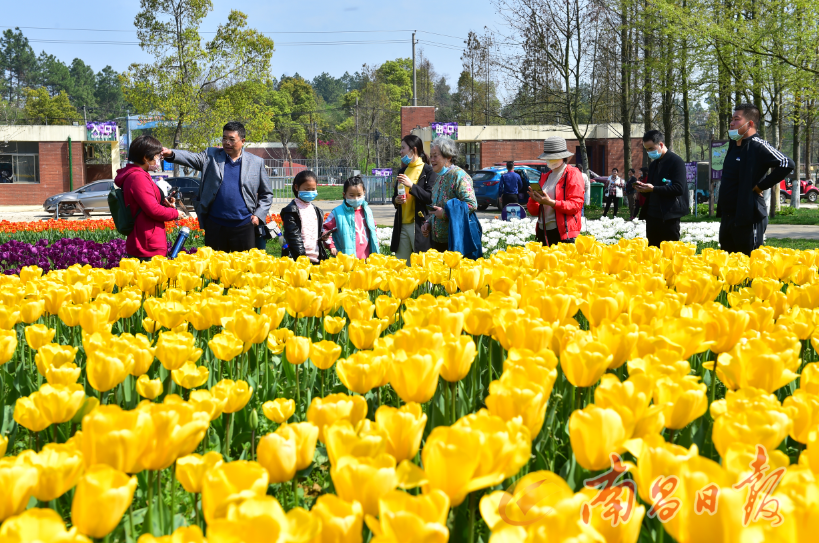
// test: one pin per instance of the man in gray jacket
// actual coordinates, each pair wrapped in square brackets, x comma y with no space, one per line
[234,194]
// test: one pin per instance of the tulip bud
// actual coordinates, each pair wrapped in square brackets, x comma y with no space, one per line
[254,419]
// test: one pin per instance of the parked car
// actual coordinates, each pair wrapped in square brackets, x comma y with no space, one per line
[807,190]
[94,197]
[188,188]
[486,183]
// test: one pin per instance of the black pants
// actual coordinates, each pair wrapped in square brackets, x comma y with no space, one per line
[735,238]
[550,237]
[609,200]
[658,231]
[223,238]
[507,199]
[440,246]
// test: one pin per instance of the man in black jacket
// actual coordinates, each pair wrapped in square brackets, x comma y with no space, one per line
[665,189]
[741,207]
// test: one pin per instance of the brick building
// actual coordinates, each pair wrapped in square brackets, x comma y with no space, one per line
[35,161]
[485,146]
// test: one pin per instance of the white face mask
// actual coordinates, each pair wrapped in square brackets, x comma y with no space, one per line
[554,164]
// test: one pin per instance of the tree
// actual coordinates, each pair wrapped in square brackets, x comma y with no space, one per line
[53,74]
[328,87]
[46,109]
[18,63]
[108,94]
[83,81]
[295,102]
[179,83]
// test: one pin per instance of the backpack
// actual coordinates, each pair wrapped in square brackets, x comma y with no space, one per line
[120,212]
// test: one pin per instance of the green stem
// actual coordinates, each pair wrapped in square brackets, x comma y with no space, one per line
[159,502]
[453,394]
[322,386]
[228,435]
[578,398]
[131,521]
[295,491]
[173,494]
[149,516]
[471,536]
[298,389]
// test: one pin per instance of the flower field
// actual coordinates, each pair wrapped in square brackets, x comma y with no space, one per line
[585,392]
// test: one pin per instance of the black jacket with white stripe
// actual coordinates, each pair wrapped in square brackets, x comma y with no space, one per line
[761,157]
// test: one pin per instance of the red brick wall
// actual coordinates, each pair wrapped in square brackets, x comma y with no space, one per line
[614,155]
[413,117]
[95,172]
[53,175]
[503,151]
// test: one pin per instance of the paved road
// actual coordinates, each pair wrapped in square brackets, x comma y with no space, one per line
[793,231]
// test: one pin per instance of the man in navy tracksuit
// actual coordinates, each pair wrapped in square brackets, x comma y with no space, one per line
[741,207]
[510,186]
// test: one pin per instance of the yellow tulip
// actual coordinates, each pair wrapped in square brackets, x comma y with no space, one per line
[323,412]
[18,479]
[364,479]
[478,321]
[207,402]
[584,361]
[94,318]
[8,345]
[174,349]
[450,322]
[38,335]
[55,363]
[235,394]
[414,377]
[364,333]
[595,433]
[363,371]
[27,414]
[149,389]
[385,306]
[4,443]
[341,521]
[404,428]
[620,340]
[402,287]
[685,400]
[58,403]
[170,314]
[804,414]
[469,278]
[192,469]
[279,410]
[403,517]
[276,314]
[60,467]
[302,302]
[366,439]
[8,317]
[226,346]
[190,375]
[515,395]
[249,326]
[297,349]
[306,437]
[39,525]
[749,417]
[140,347]
[102,496]
[185,534]
[31,310]
[767,363]
[459,354]
[480,450]
[106,368]
[334,325]
[724,327]
[809,380]
[631,399]
[178,428]
[276,452]
[230,482]
[116,438]
[323,354]
[149,325]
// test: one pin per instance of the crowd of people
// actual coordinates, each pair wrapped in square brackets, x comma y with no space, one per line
[434,199]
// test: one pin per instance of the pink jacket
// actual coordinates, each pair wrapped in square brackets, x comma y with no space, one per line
[148,237]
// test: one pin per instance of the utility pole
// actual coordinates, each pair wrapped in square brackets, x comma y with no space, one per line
[84,118]
[356,131]
[128,128]
[377,157]
[414,87]
[315,129]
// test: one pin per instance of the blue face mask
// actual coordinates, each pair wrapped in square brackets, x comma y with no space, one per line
[443,170]
[654,155]
[355,203]
[405,160]
[307,195]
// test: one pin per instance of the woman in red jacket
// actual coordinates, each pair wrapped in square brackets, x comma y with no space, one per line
[145,200]
[558,204]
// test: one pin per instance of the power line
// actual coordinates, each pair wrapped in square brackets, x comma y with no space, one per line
[278,44]
[214,32]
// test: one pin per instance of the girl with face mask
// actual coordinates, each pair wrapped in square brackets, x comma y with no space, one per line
[350,227]
[411,197]
[301,220]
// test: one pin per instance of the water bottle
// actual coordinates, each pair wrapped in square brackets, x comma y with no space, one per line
[278,233]
[184,232]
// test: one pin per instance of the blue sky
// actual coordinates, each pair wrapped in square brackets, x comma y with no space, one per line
[453,18]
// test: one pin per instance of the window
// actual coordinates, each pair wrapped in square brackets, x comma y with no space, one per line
[483,176]
[19,162]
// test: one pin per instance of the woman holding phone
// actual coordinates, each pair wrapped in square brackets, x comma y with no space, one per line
[558,201]
[411,196]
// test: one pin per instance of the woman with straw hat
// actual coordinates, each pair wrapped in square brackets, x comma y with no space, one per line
[558,203]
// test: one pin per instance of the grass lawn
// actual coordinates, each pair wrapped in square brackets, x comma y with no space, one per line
[792,243]
[334,192]
[802,216]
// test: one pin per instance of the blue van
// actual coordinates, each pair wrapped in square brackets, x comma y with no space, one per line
[486,183]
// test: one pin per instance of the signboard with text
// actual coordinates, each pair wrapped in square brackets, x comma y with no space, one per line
[382,172]
[449,130]
[103,131]
[718,151]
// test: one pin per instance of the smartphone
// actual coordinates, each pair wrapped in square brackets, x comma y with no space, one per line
[328,233]
[536,188]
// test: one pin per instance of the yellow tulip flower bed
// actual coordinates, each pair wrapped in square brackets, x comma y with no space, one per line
[583,393]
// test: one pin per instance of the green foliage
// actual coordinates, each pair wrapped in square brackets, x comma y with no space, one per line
[786,211]
[18,65]
[47,109]
[197,87]
[83,81]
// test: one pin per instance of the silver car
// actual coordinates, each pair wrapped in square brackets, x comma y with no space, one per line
[94,197]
